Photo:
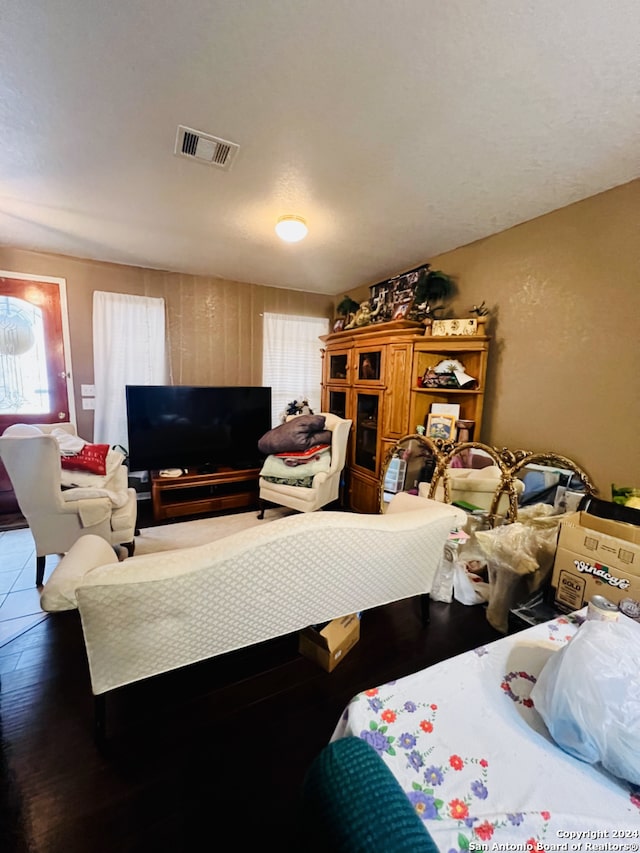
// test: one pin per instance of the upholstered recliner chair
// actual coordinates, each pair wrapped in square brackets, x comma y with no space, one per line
[325,486]
[58,516]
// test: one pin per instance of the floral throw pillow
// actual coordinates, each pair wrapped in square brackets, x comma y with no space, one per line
[92,458]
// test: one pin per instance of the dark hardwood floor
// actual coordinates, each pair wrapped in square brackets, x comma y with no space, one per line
[219,747]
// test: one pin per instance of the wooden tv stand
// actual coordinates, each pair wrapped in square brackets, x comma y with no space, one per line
[192,494]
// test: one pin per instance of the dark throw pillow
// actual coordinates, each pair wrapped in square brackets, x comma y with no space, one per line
[299,433]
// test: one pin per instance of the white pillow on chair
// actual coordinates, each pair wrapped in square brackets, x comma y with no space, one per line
[68,444]
[22,429]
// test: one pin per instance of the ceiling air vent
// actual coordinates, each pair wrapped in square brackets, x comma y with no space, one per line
[205,148]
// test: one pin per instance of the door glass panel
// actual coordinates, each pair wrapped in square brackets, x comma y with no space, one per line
[366,434]
[338,403]
[369,365]
[24,383]
[338,366]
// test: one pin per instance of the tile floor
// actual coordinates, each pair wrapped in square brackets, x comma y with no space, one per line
[19,596]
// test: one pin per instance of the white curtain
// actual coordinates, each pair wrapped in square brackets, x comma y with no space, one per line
[291,360]
[128,349]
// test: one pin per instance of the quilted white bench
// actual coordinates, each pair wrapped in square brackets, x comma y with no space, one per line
[158,612]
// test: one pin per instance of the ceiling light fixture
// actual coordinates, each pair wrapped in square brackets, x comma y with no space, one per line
[291,228]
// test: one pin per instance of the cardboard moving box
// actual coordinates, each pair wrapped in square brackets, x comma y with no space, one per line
[328,646]
[595,556]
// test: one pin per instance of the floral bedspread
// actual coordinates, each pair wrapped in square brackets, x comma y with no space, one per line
[474,757]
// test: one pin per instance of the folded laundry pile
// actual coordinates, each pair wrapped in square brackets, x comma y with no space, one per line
[300,457]
[298,449]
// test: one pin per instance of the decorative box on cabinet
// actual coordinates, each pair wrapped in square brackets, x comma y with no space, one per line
[366,377]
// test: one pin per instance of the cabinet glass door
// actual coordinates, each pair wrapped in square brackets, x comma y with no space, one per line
[368,365]
[366,431]
[337,403]
[338,367]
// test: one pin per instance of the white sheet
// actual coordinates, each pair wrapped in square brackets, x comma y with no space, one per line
[473,755]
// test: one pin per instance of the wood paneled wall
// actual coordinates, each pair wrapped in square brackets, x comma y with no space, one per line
[214,327]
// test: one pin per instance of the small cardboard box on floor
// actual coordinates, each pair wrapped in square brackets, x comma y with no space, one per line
[595,556]
[328,646]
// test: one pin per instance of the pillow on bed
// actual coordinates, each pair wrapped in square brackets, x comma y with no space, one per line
[299,433]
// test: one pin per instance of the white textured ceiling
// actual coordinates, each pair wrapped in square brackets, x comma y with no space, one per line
[398,128]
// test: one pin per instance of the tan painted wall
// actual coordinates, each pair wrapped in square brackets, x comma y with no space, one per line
[214,330]
[564,368]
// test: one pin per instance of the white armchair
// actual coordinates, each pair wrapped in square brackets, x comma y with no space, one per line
[57,517]
[326,484]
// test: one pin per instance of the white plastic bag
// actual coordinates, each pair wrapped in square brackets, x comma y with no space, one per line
[520,558]
[468,588]
[588,695]
[442,587]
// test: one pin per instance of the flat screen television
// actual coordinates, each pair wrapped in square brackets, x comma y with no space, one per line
[201,428]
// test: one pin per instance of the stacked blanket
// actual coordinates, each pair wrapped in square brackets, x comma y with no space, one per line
[298,449]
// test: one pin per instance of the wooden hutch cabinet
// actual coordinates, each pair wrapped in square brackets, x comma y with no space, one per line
[366,377]
[370,375]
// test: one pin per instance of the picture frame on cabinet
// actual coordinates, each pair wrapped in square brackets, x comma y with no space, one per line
[338,325]
[441,426]
[445,409]
[401,310]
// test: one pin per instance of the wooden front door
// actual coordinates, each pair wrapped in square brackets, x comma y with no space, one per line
[35,375]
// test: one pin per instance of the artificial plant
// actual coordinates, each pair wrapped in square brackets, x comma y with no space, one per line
[347,306]
[433,289]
